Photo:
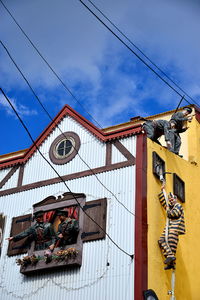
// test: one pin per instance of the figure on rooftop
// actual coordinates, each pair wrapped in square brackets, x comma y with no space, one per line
[170,129]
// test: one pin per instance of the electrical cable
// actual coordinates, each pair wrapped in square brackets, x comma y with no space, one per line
[134,45]
[29,134]
[61,81]
[129,48]
[40,102]
[179,103]
[50,67]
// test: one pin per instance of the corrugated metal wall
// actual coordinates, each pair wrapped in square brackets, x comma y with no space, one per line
[11,182]
[91,149]
[106,272]
[95,280]
[3,173]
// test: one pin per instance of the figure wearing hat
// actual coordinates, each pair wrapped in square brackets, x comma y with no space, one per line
[67,229]
[176,227]
[178,121]
[156,128]
[42,233]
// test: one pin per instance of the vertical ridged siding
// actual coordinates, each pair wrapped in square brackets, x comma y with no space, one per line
[12,182]
[94,280]
[3,173]
[91,149]
[129,144]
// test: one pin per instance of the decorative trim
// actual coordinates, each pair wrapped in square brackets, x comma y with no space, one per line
[124,151]
[67,110]
[66,178]
[8,176]
[65,135]
[21,174]
[109,167]
[141,256]
[108,153]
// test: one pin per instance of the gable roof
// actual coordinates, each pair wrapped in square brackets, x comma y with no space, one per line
[23,156]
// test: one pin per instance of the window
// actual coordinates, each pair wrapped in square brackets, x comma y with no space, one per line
[68,249]
[64,148]
[179,187]
[150,295]
[158,166]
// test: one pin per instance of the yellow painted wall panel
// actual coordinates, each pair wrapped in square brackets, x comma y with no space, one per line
[187,285]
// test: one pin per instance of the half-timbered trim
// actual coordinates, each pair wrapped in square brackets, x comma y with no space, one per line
[108,167]
[108,153]
[141,257]
[68,111]
[8,176]
[124,151]
[66,177]
[21,174]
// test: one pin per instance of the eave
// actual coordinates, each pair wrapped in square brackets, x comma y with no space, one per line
[132,129]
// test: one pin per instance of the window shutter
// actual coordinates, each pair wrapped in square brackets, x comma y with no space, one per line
[19,224]
[2,224]
[179,187]
[97,211]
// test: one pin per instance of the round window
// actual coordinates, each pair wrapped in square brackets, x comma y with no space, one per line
[64,148]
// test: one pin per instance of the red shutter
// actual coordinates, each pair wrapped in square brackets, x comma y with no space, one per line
[97,211]
[19,224]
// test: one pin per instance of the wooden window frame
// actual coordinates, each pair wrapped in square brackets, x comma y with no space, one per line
[63,160]
[178,184]
[150,293]
[156,162]
[53,204]
[88,230]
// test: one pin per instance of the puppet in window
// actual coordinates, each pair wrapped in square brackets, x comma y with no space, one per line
[41,232]
[67,230]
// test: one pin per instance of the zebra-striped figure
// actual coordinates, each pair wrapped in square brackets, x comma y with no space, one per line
[176,226]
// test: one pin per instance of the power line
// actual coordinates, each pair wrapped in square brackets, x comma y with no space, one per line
[29,134]
[129,40]
[40,102]
[129,48]
[65,86]
[50,67]
[179,103]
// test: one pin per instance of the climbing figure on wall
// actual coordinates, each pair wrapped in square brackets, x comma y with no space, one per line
[170,129]
[176,225]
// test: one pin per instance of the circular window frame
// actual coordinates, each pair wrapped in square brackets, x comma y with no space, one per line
[76,143]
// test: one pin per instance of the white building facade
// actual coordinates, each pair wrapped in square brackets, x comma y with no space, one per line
[100,165]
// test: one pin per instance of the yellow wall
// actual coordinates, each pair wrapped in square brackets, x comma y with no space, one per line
[187,285]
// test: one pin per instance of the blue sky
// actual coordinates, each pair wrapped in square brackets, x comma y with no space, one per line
[111,83]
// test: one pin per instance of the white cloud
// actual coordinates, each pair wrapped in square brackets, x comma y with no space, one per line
[89,59]
[21,109]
